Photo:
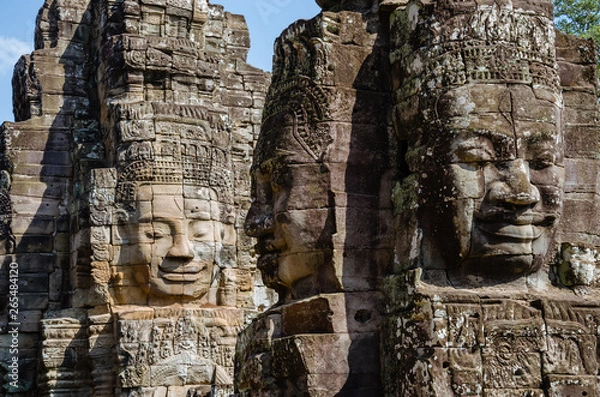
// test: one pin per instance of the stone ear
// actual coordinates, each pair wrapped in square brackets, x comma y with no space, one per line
[122,215]
[5,180]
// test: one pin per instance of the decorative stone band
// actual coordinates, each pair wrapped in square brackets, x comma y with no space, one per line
[307,103]
[490,44]
[167,143]
[203,173]
[185,114]
[302,50]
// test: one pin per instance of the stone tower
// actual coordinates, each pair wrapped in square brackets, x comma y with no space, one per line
[484,266]
[125,186]
[321,205]
[493,290]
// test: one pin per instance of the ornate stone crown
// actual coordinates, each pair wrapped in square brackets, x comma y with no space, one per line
[489,44]
[180,145]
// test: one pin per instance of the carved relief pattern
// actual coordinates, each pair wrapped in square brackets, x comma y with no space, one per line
[196,348]
[186,154]
[486,44]
[309,105]
[504,347]
[64,355]
[125,106]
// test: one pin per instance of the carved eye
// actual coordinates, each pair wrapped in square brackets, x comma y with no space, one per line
[542,160]
[275,184]
[474,155]
[200,230]
[266,168]
[475,150]
[283,217]
[540,164]
[155,234]
[275,187]
[199,235]
[280,178]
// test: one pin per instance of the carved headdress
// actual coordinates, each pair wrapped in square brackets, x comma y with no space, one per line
[300,70]
[496,42]
[190,148]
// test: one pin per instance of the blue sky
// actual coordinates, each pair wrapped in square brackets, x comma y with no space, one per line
[266,19]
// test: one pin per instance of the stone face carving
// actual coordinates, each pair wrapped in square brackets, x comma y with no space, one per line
[499,187]
[307,171]
[178,242]
[318,181]
[484,132]
[478,302]
[294,234]
[127,173]
[175,209]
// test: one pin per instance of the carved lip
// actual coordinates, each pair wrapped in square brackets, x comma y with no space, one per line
[269,246]
[187,273]
[180,277]
[524,226]
[521,232]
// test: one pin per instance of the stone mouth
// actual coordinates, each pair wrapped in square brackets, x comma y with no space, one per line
[496,219]
[187,273]
[519,232]
[180,277]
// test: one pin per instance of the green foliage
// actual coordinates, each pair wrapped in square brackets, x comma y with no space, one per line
[578,17]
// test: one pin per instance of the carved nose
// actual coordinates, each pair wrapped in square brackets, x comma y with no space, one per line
[181,248]
[259,221]
[515,188]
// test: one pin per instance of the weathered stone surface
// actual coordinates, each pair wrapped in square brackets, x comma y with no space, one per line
[510,322]
[128,125]
[424,196]
[317,175]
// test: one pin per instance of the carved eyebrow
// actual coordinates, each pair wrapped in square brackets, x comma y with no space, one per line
[279,156]
[471,143]
[282,153]
[541,136]
[166,219]
[265,166]
[541,145]
[497,139]
[144,218]
[198,215]
[504,145]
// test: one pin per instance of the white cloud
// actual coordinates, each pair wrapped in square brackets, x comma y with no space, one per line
[11,50]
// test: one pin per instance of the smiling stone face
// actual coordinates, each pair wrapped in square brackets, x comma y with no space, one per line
[491,180]
[177,241]
[479,109]
[290,215]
